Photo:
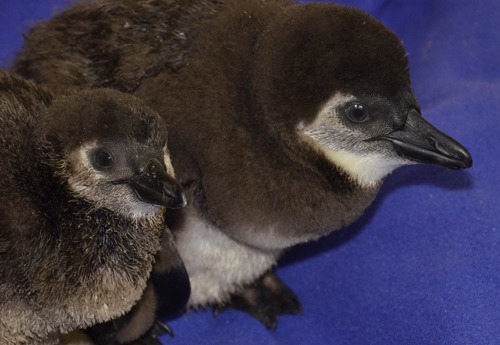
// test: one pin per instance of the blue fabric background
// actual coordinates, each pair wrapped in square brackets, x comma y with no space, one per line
[423,265]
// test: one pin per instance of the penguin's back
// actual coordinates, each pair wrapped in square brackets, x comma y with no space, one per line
[119,43]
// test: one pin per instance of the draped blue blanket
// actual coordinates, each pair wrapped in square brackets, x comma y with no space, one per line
[423,264]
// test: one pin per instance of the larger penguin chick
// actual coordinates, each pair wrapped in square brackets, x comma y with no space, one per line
[85,182]
[311,106]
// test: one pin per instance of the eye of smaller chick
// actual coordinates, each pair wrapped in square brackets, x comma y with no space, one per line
[357,112]
[102,159]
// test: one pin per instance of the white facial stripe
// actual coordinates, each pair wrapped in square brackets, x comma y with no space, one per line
[335,101]
[326,114]
[168,162]
[346,148]
[81,163]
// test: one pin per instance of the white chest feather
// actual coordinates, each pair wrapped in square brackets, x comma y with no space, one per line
[217,265]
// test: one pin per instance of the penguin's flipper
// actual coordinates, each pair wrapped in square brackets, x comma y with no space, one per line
[265,299]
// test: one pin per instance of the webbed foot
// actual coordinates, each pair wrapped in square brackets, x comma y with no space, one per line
[265,299]
[151,336]
[160,328]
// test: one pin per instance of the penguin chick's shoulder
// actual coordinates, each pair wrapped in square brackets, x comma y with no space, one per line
[85,179]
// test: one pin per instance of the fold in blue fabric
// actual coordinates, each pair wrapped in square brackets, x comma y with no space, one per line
[422,266]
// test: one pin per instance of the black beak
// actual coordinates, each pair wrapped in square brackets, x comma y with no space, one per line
[155,186]
[420,141]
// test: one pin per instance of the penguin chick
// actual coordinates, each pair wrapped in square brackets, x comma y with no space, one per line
[311,107]
[85,182]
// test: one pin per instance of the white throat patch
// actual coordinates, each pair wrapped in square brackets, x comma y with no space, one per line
[368,170]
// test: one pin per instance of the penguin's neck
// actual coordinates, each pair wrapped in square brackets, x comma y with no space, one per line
[97,259]
[345,196]
[89,243]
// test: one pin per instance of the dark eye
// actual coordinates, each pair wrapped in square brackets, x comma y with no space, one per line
[357,112]
[103,159]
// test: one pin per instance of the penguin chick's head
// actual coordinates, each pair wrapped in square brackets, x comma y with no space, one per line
[110,150]
[341,79]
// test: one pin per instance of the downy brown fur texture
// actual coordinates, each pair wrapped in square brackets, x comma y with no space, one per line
[71,255]
[234,80]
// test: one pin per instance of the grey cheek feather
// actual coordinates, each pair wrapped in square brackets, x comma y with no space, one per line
[329,131]
[91,185]
[366,163]
[334,139]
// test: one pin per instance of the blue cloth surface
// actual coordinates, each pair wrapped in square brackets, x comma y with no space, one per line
[422,266]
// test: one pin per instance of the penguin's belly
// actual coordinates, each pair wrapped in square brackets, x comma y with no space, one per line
[217,265]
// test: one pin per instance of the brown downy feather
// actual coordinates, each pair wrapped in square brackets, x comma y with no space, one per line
[234,80]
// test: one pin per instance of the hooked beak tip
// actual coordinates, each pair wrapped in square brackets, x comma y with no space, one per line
[464,158]
[178,200]
[155,186]
[420,141]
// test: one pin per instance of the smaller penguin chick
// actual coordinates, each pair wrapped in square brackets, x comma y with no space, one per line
[85,182]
